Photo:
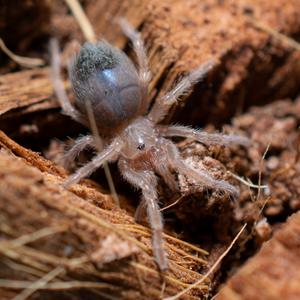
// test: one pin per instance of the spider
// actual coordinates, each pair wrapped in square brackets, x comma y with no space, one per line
[118,96]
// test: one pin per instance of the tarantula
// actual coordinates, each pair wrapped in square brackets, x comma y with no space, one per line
[118,95]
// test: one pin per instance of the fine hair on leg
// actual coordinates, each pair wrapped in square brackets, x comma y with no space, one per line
[200,177]
[158,158]
[201,136]
[147,181]
[82,143]
[101,158]
[162,104]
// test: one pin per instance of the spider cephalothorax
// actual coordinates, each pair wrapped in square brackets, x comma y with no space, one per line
[105,77]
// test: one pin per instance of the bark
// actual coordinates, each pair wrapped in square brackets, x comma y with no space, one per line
[102,251]
[273,273]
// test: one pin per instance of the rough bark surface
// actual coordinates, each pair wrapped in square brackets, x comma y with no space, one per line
[274,272]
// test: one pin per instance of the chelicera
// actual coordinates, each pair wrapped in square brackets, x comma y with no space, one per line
[118,95]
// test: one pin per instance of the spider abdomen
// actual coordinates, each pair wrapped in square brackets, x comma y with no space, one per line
[106,77]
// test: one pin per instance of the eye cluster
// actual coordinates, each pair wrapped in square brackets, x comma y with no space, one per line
[104,77]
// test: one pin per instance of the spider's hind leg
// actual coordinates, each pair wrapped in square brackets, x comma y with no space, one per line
[67,107]
[141,54]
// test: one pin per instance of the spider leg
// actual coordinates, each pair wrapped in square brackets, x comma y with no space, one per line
[81,143]
[163,103]
[146,181]
[141,55]
[157,156]
[62,97]
[100,159]
[140,211]
[201,136]
[199,176]
[163,170]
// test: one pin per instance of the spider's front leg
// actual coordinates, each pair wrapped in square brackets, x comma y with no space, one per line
[201,177]
[99,160]
[81,143]
[147,181]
